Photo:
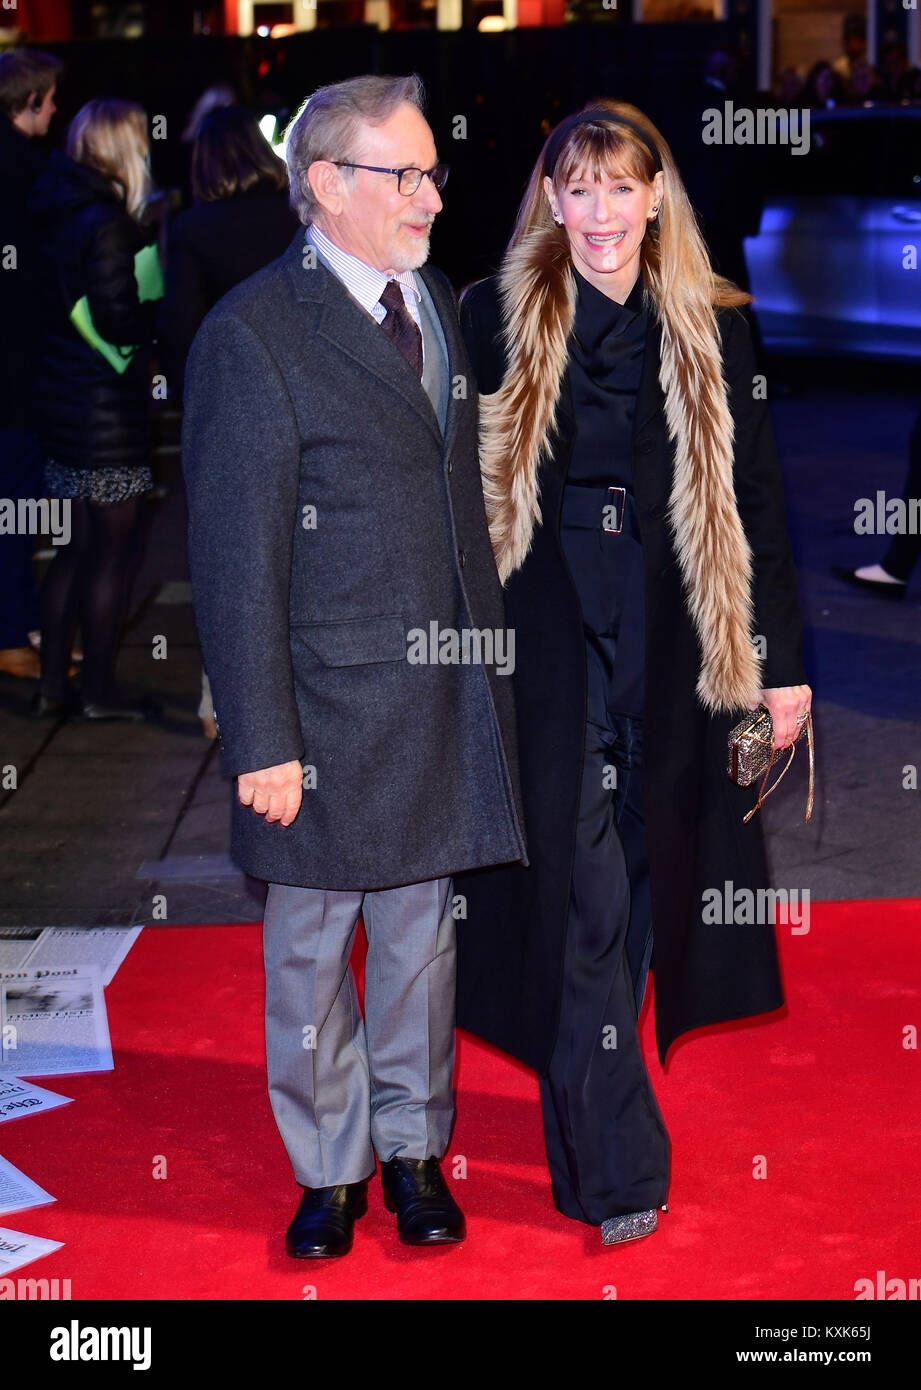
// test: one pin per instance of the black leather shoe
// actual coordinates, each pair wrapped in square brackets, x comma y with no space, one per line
[324,1221]
[427,1214]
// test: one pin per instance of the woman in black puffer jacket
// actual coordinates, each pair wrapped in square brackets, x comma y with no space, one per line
[94,422]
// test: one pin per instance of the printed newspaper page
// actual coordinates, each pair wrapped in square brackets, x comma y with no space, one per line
[53,1022]
[19,1098]
[18,1192]
[17,1249]
[15,945]
[105,947]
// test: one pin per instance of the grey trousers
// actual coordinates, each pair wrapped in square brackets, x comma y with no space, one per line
[343,1087]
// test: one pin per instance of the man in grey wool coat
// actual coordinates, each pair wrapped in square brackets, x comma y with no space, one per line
[336,516]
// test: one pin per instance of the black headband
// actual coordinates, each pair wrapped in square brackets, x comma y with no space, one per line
[596,116]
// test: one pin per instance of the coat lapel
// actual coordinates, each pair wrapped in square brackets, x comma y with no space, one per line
[446,309]
[351,330]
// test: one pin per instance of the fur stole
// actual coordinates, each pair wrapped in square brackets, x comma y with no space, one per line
[538,297]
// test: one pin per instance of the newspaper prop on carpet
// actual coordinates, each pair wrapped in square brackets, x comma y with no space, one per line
[18,1192]
[105,947]
[17,1249]
[19,1098]
[53,1022]
[15,945]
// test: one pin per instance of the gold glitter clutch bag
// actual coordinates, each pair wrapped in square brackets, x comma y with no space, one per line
[752,754]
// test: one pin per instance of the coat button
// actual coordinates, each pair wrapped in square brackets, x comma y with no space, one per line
[656,512]
[462,556]
[450,466]
[646,447]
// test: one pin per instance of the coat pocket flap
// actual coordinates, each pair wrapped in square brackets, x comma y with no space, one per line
[357,641]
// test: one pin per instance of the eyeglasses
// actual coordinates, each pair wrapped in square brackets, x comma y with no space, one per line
[408,180]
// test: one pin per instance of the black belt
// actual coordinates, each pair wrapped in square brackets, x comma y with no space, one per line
[608,509]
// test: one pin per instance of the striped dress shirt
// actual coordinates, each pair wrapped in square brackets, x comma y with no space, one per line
[362,281]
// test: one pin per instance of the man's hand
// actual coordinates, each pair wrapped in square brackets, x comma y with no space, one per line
[275,792]
[784,704]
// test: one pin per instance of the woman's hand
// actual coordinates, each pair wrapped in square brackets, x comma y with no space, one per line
[785,704]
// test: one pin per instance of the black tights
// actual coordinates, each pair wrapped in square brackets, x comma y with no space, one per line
[87,579]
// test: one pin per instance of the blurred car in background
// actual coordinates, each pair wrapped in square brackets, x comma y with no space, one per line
[841,227]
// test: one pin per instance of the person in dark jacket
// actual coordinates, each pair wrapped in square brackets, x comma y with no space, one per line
[636,515]
[28,82]
[824,89]
[241,221]
[889,578]
[336,528]
[899,80]
[94,421]
[725,182]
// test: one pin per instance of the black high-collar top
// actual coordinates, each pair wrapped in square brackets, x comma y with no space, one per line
[605,366]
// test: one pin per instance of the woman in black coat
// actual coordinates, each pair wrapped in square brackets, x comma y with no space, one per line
[241,220]
[93,420]
[636,515]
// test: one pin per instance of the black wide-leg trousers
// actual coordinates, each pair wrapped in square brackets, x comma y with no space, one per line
[607,1146]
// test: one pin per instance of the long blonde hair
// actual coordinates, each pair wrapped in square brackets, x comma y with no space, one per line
[538,296]
[110,136]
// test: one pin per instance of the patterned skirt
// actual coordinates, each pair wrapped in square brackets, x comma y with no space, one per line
[100,485]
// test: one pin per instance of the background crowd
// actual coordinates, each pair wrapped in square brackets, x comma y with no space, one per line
[77,411]
[849,79]
[81,205]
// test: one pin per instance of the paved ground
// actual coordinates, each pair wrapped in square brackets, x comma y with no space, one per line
[127,825]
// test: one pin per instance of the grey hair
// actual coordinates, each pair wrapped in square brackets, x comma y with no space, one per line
[327,126]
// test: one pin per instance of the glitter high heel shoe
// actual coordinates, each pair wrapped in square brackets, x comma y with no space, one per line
[636,1224]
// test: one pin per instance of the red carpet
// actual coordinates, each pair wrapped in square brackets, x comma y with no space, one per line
[826,1095]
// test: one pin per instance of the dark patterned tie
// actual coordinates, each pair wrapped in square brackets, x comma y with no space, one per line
[401,328]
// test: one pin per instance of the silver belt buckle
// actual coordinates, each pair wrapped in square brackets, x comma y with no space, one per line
[616,530]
